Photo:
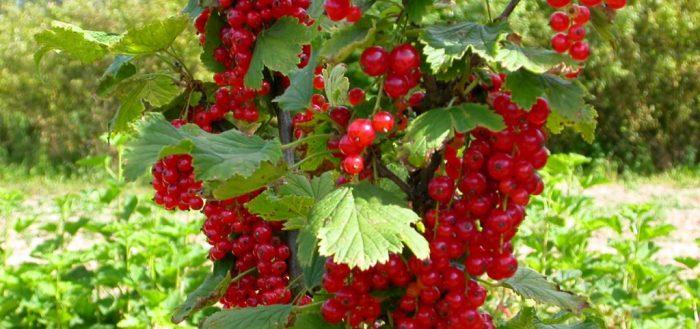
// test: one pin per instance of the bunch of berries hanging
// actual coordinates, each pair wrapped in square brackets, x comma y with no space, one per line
[570,24]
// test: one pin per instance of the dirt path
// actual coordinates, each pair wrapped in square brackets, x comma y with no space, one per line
[679,207]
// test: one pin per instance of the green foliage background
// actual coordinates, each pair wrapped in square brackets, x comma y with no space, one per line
[644,78]
[50,115]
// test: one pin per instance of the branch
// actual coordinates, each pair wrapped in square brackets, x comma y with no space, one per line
[284,124]
[420,180]
[385,172]
[508,10]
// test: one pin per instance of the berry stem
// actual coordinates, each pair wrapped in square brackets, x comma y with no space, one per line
[385,172]
[488,9]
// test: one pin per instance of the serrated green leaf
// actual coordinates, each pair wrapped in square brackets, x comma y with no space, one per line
[336,85]
[213,40]
[208,292]
[585,127]
[360,225]
[238,185]
[530,284]
[315,9]
[313,320]
[84,45]
[344,42]
[431,129]
[316,188]
[513,57]
[565,97]
[297,97]
[120,70]
[445,43]
[277,48]
[230,157]
[525,319]
[416,9]
[151,37]
[261,317]
[272,207]
[313,273]
[157,89]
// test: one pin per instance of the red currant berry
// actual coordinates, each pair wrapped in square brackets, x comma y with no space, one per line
[361,132]
[560,42]
[374,61]
[354,14]
[616,4]
[441,188]
[395,86]
[558,3]
[383,122]
[353,164]
[356,96]
[403,59]
[337,9]
[319,82]
[559,21]
[580,51]
[576,33]
[581,15]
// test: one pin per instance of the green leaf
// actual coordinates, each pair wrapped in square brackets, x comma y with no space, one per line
[225,157]
[431,129]
[317,188]
[297,97]
[317,148]
[586,126]
[313,320]
[445,43]
[208,292]
[277,48]
[525,319]
[238,185]
[313,273]
[416,9]
[157,89]
[315,9]
[120,70]
[84,45]
[336,85]
[293,200]
[565,97]
[690,262]
[344,42]
[261,317]
[532,285]
[513,57]
[272,207]
[151,37]
[213,40]
[360,225]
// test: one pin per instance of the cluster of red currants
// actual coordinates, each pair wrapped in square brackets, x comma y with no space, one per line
[337,10]
[174,181]
[260,256]
[352,301]
[570,25]
[401,68]
[245,20]
[359,135]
